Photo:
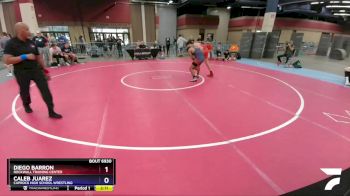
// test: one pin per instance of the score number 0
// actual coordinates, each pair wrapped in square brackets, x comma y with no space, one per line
[106,179]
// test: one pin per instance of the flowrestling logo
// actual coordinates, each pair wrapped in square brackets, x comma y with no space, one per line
[334,181]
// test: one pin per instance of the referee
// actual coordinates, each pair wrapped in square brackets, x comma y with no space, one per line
[28,65]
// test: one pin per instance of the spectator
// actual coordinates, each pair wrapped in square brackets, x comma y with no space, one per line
[51,38]
[62,40]
[167,44]
[288,53]
[110,42]
[227,55]
[114,44]
[347,76]
[119,47]
[234,48]
[199,38]
[82,44]
[95,51]
[142,45]
[181,42]
[106,47]
[218,50]
[99,43]
[210,37]
[175,45]
[114,39]
[1,47]
[234,52]
[156,45]
[4,37]
[68,53]
[55,52]
[43,45]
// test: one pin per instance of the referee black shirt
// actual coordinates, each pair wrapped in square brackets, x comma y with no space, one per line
[16,47]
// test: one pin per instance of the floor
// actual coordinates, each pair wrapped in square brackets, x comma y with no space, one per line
[321,63]
[252,125]
[312,62]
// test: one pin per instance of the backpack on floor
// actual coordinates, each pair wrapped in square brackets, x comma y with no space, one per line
[297,64]
[94,53]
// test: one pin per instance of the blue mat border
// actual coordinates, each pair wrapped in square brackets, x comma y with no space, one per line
[318,75]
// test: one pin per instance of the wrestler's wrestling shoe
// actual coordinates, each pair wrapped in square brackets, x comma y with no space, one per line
[195,79]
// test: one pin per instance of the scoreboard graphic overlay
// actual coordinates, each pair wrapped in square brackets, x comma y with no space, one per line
[96,174]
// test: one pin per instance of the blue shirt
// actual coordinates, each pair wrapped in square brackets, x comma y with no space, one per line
[62,39]
[198,53]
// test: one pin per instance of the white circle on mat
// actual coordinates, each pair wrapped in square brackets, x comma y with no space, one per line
[160,89]
[166,148]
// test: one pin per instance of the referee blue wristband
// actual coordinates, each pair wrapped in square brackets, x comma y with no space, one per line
[23,57]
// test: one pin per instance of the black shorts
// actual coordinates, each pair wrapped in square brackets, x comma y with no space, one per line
[196,63]
[227,55]
[57,56]
[347,74]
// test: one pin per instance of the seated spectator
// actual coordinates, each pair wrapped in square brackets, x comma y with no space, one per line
[156,45]
[55,52]
[234,48]
[234,51]
[227,55]
[67,52]
[62,40]
[288,53]
[95,51]
[142,45]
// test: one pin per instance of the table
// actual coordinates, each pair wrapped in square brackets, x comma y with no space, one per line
[143,53]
